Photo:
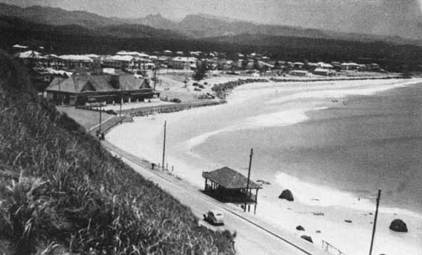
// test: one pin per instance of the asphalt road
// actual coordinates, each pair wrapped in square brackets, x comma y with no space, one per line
[253,236]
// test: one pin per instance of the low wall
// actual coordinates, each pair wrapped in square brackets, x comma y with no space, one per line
[170,108]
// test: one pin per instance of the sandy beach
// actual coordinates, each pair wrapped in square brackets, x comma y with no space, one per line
[199,138]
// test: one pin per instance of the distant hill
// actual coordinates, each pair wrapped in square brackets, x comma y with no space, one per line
[204,33]
[12,25]
[193,26]
[84,22]
[206,26]
[155,21]
[56,16]
[394,57]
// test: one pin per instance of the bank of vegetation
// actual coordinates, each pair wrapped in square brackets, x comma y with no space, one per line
[61,192]
[221,90]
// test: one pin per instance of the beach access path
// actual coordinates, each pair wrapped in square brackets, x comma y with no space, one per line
[253,235]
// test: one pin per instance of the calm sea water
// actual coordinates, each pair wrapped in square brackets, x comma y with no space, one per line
[359,145]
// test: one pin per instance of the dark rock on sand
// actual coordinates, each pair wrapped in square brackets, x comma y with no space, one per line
[286,194]
[300,228]
[348,221]
[398,226]
[307,238]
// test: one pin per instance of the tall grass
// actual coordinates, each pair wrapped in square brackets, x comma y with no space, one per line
[73,196]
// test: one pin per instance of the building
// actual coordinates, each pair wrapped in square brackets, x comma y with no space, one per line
[134,54]
[42,78]
[349,66]
[75,61]
[298,65]
[104,88]
[186,63]
[323,72]
[128,62]
[322,65]
[301,73]
[228,185]
[30,54]
[119,61]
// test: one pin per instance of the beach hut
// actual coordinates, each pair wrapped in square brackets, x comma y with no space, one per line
[229,186]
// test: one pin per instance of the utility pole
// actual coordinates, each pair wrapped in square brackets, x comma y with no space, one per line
[249,176]
[121,102]
[155,79]
[99,128]
[164,143]
[375,222]
[60,94]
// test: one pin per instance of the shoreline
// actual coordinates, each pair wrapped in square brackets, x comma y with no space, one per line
[299,211]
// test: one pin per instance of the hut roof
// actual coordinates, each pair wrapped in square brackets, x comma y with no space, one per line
[229,179]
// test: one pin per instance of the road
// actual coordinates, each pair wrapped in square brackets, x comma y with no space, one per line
[253,235]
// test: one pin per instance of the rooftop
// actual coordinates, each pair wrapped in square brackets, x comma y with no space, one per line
[230,179]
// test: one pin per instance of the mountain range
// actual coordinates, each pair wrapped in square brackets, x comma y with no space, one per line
[192,26]
[79,32]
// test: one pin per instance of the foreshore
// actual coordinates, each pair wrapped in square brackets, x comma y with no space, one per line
[338,218]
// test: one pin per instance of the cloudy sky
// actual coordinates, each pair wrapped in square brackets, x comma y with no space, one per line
[391,17]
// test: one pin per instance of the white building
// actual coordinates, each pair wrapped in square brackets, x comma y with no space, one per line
[186,63]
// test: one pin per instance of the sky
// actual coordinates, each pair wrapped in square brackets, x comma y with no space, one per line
[387,17]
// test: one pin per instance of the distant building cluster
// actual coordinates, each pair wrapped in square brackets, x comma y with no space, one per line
[83,79]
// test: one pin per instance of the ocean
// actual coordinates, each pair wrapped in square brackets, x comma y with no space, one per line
[333,144]
[353,145]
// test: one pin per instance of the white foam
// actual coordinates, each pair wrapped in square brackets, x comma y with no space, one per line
[322,92]
[282,118]
[276,119]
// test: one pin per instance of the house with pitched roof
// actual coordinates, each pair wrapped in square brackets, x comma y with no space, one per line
[104,88]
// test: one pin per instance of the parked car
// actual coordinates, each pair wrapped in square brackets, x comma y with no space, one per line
[176,100]
[214,217]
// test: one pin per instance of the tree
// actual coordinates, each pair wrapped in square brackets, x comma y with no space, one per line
[256,65]
[277,64]
[244,64]
[201,69]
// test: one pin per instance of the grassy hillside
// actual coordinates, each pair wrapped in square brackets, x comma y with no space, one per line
[60,191]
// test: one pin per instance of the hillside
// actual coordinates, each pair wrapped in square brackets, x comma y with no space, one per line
[73,39]
[194,26]
[60,191]
[82,22]
[393,57]
[56,16]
